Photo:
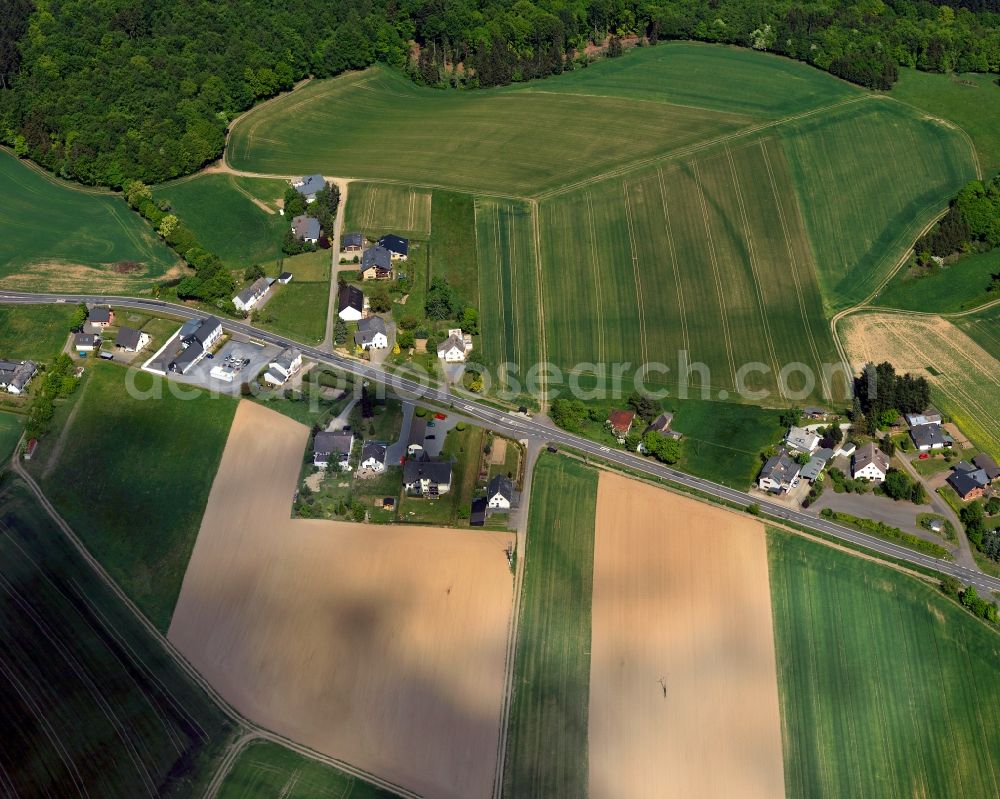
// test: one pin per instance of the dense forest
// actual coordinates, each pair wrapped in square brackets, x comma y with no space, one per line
[104,91]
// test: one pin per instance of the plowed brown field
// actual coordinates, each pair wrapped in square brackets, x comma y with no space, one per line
[382,646]
[683,684]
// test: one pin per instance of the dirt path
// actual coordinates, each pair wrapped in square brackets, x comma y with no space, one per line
[54,456]
[338,230]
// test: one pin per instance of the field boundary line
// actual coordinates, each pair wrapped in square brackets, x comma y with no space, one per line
[724,314]
[499,280]
[948,123]
[640,307]
[540,307]
[752,258]
[602,347]
[673,260]
[795,272]
[515,306]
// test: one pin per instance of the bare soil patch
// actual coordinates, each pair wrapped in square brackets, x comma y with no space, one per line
[499,452]
[683,681]
[383,646]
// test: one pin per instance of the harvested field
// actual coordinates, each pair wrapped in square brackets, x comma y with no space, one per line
[683,679]
[964,375]
[383,646]
[379,208]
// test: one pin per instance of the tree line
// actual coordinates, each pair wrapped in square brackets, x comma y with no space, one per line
[971,224]
[104,91]
[880,396]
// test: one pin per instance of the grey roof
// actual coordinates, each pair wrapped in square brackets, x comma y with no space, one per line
[927,435]
[824,453]
[86,340]
[305,227]
[396,244]
[452,341]
[437,472]
[350,297]
[17,373]
[815,411]
[964,482]
[191,353]
[477,518]
[353,240]
[661,423]
[128,337]
[328,443]
[779,468]
[418,430]
[379,257]
[100,314]
[988,465]
[206,329]
[285,276]
[813,468]
[256,289]
[188,328]
[310,185]
[869,453]
[373,449]
[501,484]
[368,328]
[284,360]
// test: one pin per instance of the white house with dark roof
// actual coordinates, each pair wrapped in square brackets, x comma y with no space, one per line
[870,463]
[101,316]
[396,245]
[309,186]
[373,457]
[456,347]
[252,294]
[306,228]
[350,303]
[86,342]
[779,474]
[928,437]
[287,363]
[426,478]
[15,375]
[500,493]
[333,449]
[207,332]
[131,340]
[372,334]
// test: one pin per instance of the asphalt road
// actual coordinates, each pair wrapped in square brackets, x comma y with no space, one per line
[519,427]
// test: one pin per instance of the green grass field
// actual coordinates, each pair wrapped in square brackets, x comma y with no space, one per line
[984,328]
[452,250]
[54,236]
[887,688]
[868,178]
[955,287]
[298,311]
[706,76]
[502,142]
[971,101]
[547,733]
[220,211]
[266,771]
[379,208]
[92,705]
[134,476]
[37,332]
[11,426]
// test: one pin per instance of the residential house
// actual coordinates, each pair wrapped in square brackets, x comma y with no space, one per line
[15,375]
[131,340]
[333,448]
[285,278]
[352,242]
[101,316]
[969,481]
[350,303]
[187,358]
[415,443]
[988,465]
[477,516]
[661,424]
[86,342]
[928,437]
[620,423]
[870,463]
[309,186]
[816,464]
[927,417]
[801,440]
[398,246]
[426,478]
[252,294]
[500,493]
[456,347]
[306,228]
[779,474]
[373,457]
[288,362]
[207,332]
[376,264]
[815,413]
[372,334]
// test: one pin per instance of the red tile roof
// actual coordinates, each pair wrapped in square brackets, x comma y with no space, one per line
[621,421]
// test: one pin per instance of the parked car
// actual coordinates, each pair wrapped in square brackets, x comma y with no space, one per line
[209,355]
[432,424]
[431,437]
[440,416]
[923,456]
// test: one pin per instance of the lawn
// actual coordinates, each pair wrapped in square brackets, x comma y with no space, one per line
[265,770]
[547,733]
[706,76]
[11,426]
[379,208]
[955,287]
[92,704]
[887,687]
[868,177]
[223,215]
[101,245]
[36,332]
[452,245]
[971,101]
[134,477]
[983,328]
[488,141]
[298,311]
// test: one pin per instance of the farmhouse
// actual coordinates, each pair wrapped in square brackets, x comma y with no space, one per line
[131,340]
[86,342]
[454,348]
[398,246]
[988,465]
[376,264]
[284,366]
[333,448]
[371,334]
[372,457]
[285,278]
[928,437]
[801,440]
[252,294]
[306,228]
[661,424]
[969,481]
[309,186]
[15,375]
[101,316]
[500,493]
[205,332]
[870,463]
[415,443]
[352,242]
[426,478]
[620,423]
[779,474]
[350,303]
